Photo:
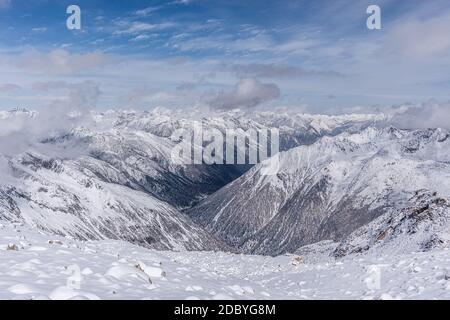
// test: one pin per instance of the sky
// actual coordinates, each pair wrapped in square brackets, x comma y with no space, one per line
[316,56]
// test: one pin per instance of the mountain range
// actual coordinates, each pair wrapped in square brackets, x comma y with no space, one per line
[345,179]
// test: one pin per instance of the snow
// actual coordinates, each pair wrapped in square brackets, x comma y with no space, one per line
[67,269]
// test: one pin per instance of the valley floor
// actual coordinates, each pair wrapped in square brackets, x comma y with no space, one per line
[38,266]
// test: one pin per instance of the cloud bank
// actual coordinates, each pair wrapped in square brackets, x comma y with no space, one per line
[22,131]
[430,114]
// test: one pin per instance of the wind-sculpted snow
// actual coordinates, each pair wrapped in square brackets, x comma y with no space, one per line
[36,266]
[327,190]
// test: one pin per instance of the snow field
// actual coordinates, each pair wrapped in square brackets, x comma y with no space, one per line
[38,266]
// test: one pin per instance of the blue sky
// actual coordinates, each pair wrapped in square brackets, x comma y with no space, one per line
[316,56]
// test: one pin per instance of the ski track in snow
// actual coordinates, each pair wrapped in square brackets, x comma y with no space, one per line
[41,266]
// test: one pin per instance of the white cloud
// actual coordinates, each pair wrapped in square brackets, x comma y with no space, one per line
[146,11]
[60,61]
[187,86]
[21,132]
[430,114]
[141,37]
[82,96]
[248,93]
[8,87]
[138,96]
[272,70]
[138,27]
[185,2]
[41,29]
[420,39]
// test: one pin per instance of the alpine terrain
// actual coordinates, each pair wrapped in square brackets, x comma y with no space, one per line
[104,202]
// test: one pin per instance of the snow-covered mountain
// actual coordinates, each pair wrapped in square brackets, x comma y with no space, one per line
[67,198]
[295,129]
[422,225]
[327,190]
[111,176]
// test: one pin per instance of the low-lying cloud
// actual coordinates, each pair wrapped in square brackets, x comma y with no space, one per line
[21,131]
[431,114]
[81,96]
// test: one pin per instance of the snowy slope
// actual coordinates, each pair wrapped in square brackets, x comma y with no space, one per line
[62,198]
[142,161]
[327,190]
[40,266]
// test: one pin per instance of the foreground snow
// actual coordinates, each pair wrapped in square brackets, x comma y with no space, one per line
[39,266]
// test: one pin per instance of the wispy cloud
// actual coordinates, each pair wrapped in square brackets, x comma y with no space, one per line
[272,70]
[60,61]
[134,27]
[40,29]
[141,37]
[146,11]
[185,2]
